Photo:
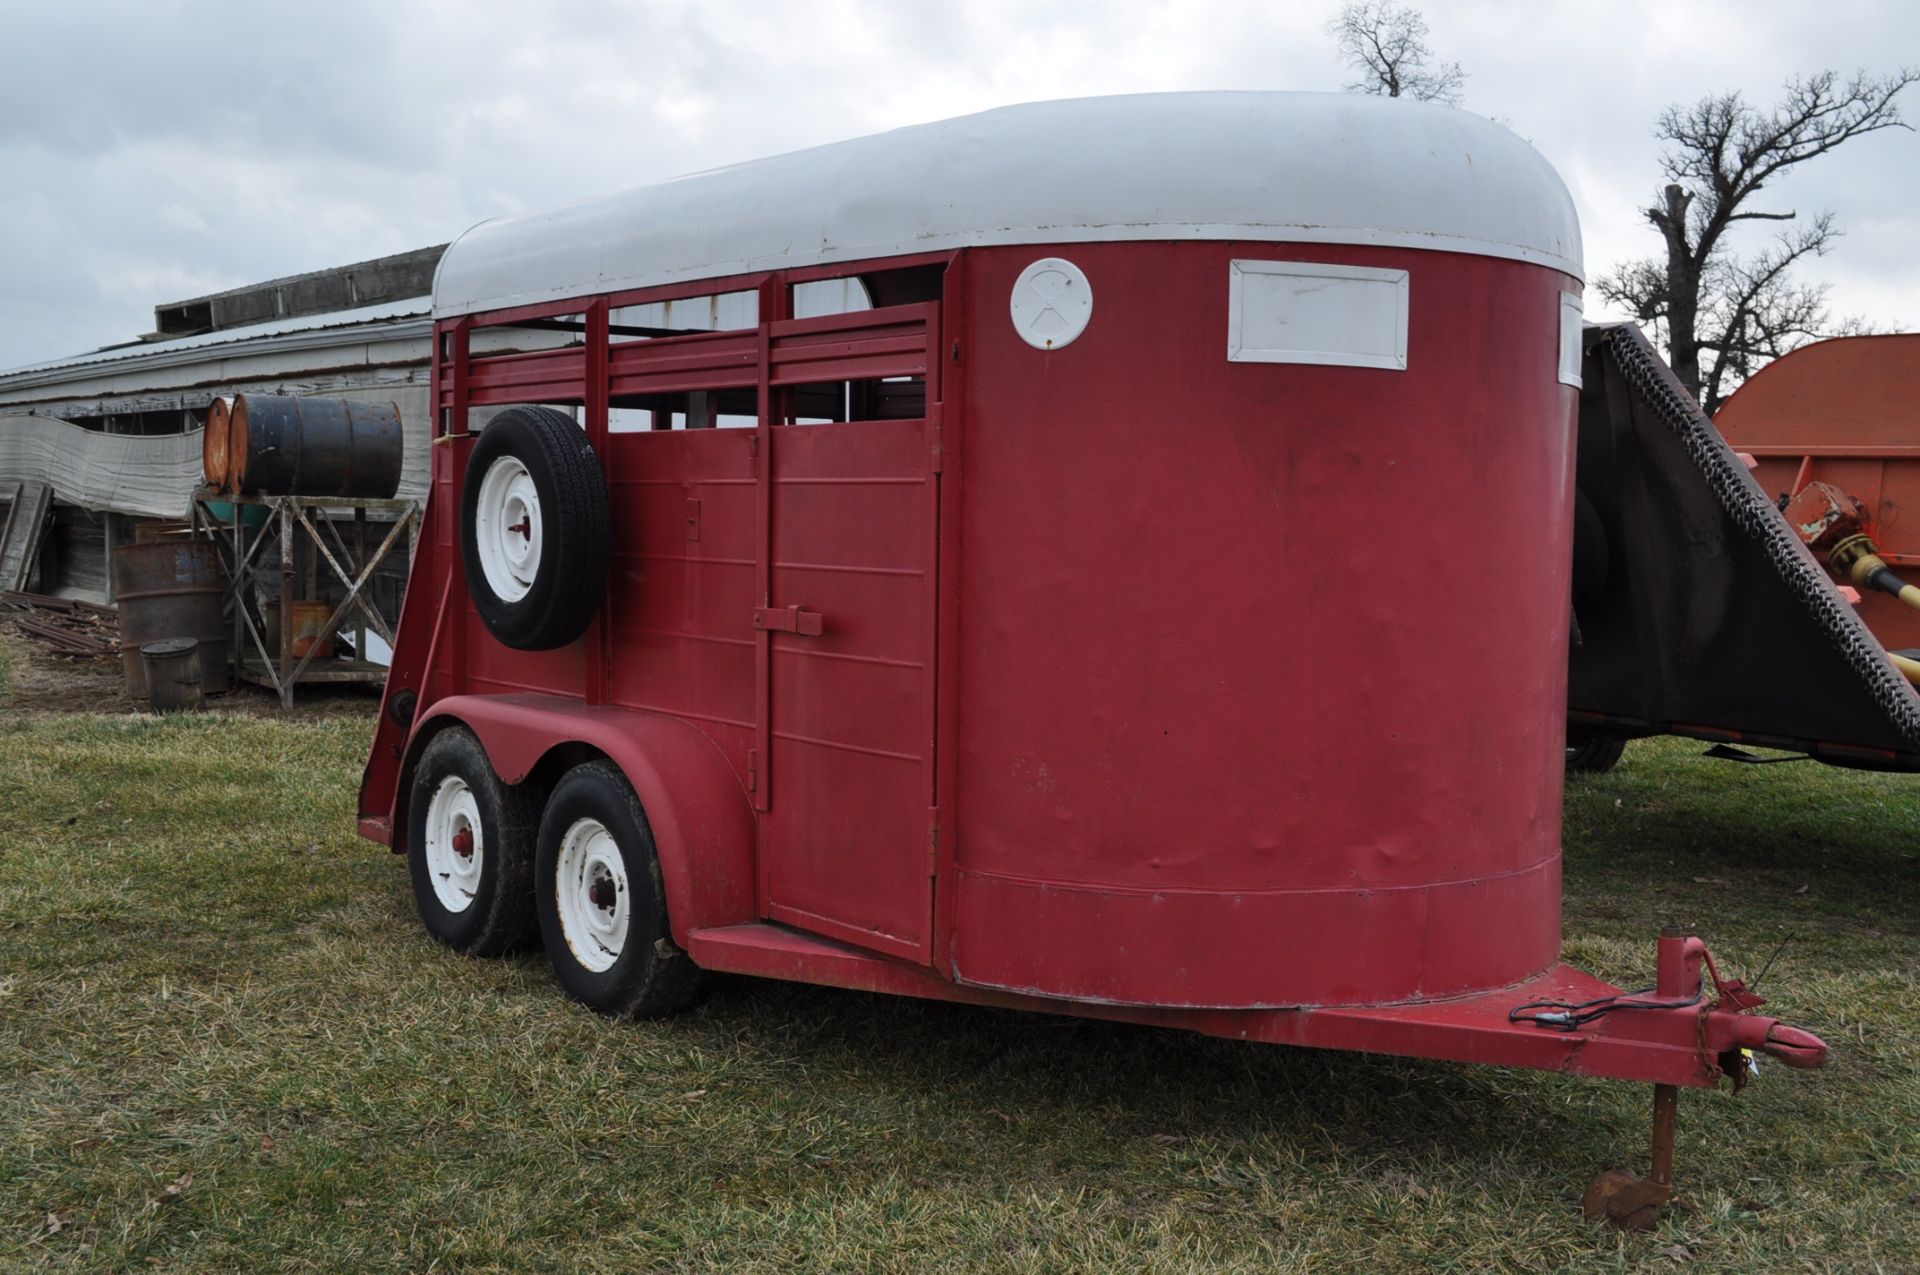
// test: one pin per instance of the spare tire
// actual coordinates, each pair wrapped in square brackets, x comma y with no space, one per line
[534,528]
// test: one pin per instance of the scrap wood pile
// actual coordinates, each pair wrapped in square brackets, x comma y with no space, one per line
[63,624]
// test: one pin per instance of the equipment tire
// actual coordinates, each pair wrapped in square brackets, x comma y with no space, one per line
[475,895]
[535,532]
[602,903]
[1593,754]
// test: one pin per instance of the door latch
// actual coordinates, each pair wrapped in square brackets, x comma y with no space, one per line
[787,620]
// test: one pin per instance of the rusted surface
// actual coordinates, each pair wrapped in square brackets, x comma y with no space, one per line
[1666,1104]
[283,446]
[310,631]
[1627,1200]
[214,443]
[66,638]
[63,625]
[171,590]
[1823,515]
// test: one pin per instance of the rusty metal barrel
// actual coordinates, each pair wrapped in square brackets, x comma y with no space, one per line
[214,446]
[284,446]
[170,589]
[173,674]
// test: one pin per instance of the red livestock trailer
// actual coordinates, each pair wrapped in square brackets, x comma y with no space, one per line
[1105,557]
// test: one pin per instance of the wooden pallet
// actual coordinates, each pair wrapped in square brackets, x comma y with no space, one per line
[28,507]
[327,672]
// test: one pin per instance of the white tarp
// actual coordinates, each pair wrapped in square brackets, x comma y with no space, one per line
[152,475]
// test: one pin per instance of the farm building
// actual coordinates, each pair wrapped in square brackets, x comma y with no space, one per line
[114,434]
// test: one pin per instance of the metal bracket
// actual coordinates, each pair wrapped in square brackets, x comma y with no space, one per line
[787,620]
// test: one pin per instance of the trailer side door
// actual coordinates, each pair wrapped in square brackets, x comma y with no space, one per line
[849,631]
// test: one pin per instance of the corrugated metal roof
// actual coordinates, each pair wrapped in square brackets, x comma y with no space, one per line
[302,331]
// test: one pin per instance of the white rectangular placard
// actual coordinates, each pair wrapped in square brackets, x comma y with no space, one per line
[1570,353]
[1311,312]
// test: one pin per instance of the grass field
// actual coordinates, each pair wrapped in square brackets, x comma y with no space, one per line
[226,1045]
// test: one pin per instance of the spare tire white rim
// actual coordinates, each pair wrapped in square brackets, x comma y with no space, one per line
[507,528]
[456,851]
[590,886]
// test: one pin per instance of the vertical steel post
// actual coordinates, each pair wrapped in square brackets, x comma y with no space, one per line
[284,508]
[773,307]
[1666,1104]
[1671,978]
[1671,982]
[239,583]
[356,566]
[446,528]
[600,631]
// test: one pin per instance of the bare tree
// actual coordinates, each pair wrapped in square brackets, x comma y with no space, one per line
[1386,45]
[1736,313]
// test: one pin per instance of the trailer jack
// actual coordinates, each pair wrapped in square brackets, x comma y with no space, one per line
[1626,1199]
[1729,1035]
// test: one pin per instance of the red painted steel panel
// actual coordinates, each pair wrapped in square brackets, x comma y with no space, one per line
[847,846]
[701,822]
[544,376]
[702,361]
[681,595]
[1257,657]
[1097,935]
[1661,1047]
[707,679]
[561,671]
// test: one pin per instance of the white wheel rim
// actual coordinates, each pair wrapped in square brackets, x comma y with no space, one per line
[590,885]
[456,852]
[507,528]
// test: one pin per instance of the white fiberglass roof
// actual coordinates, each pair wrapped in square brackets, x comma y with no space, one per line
[1278,167]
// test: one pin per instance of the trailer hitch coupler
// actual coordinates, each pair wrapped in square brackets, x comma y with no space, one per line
[1794,1047]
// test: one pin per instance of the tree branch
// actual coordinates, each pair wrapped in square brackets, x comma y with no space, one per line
[1720,152]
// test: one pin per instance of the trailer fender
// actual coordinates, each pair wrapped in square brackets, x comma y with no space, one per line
[703,827]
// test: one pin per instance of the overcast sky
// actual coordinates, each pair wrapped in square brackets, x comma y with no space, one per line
[157,150]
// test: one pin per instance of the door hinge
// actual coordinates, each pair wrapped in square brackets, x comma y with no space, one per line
[753,770]
[933,841]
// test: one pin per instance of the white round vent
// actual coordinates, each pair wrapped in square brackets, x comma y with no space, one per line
[1052,302]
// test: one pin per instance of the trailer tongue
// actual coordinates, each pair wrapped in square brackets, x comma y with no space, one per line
[1690,1028]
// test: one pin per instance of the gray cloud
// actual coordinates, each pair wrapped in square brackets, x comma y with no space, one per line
[155,150]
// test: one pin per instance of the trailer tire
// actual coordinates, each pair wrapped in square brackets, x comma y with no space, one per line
[470,849]
[602,902]
[535,531]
